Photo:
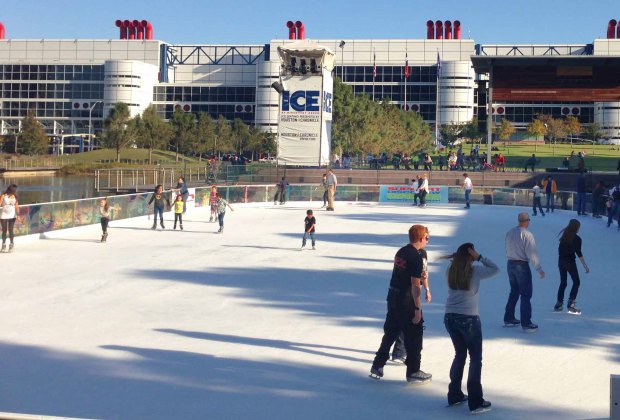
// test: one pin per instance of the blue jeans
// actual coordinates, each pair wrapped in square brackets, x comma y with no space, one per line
[520,277]
[550,201]
[581,203]
[466,334]
[467,201]
[611,213]
[220,218]
[160,211]
[306,235]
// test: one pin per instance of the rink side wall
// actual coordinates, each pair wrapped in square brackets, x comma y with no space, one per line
[46,217]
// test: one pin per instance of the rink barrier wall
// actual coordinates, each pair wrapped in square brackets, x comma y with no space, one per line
[46,217]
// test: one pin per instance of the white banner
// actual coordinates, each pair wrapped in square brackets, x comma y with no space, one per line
[301,122]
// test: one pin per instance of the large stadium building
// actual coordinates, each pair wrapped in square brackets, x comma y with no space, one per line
[70,84]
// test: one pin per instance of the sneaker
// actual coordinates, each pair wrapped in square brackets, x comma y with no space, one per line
[572,309]
[457,402]
[531,327]
[558,306]
[399,360]
[419,377]
[483,408]
[376,372]
[512,323]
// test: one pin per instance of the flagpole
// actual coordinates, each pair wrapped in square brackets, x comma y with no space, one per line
[374,72]
[406,71]
[437,102]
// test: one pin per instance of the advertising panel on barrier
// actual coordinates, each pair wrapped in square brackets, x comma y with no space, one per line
[191,198]
[405,193]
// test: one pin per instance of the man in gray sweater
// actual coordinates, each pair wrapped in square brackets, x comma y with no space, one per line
[520,250]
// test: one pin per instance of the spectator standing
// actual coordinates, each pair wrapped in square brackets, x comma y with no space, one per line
[531,162]
[468,186]
[550,187]
[570,245]
[520,250]
[462,321]
[325,188]
[441,161]
[414,186]
[332,185]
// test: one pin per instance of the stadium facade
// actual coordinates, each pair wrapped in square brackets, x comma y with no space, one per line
[71,83]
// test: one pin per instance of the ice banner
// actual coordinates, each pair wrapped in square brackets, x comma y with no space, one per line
[404,194]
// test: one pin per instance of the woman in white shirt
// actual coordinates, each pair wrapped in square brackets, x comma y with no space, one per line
[8,215]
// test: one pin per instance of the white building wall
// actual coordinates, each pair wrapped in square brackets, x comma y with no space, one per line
[456,92]
[607,115]
[267,99]
[130,82]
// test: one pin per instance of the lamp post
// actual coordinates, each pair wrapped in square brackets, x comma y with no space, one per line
[341,46]
[90,125]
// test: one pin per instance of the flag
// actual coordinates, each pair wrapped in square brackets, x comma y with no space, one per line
[406,66]
[374,66]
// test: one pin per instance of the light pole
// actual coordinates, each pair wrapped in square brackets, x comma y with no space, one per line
[90,125]
[341,45]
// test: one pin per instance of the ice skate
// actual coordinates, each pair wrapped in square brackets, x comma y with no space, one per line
[3,248]
[162,225]
[399,360]
[181,226]
[12,244]
[512,323]
[105,237]
[154,226]
[457,402]
[376,372]
[572,309]
[313,248]
[483,408]
[558,306]
[419,377]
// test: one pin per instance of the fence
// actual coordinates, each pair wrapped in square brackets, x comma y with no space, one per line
[46,217]
[36,162]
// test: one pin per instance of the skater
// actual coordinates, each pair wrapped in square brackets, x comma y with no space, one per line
[415,183]
[613,205]
[462,321]
[283,189]
[550,187]
[181,188]
[213,203]
[423,190]
[104,212]
[581,194]
[520,250]
[537,192]
[158,207]
[8,215]
[570,245]
[468,187]
[178,211]
[309,230]
[332,185]
[325,189]
[405,308]
[221,211]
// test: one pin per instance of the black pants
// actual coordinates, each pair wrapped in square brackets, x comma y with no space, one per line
[422,197]
[104,224]
[536,204]
[325,194]
[568,266]
[397,320]
[8,225]
[179,217]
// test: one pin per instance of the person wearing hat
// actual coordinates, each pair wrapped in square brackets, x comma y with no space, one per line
[520,251]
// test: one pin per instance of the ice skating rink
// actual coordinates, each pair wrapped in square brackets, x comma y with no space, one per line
[196,325]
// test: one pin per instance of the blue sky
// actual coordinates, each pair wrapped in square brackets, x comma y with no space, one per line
[243,22]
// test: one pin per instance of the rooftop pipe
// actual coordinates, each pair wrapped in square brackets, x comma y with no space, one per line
[301,30]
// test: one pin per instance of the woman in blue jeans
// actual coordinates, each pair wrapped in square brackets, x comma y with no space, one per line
[462,321]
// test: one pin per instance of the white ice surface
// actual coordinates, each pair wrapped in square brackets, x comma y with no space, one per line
[195,325]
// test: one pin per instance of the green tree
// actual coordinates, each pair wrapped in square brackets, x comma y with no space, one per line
[31,140]
[118,132]
[182,131]
[505,130]
[450,133]
[223,136]
[537,129]
[556,129]
[240,135]
[152,132]
[204,135]
[471,132]
[592,131]
[572,126]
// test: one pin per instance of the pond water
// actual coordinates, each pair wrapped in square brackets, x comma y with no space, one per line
[50,188]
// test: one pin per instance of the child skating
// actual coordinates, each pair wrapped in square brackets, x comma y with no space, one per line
[178,211]
[309,223]
[104,212]
[213,203]
[221,211]
[160,200]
